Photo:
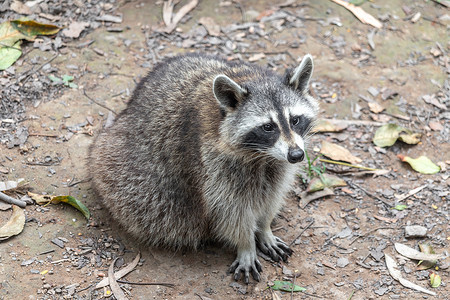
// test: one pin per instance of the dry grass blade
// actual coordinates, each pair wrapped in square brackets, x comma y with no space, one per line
[179,15]
[115,288]
[395,273]
[167,12]
[15,224]
[414,254]
[119,274]
[411,192]
[364,17]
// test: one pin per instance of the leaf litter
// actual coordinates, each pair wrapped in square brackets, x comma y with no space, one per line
[360,147]
[15,224]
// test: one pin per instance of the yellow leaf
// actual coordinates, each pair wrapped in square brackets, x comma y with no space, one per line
[15,224]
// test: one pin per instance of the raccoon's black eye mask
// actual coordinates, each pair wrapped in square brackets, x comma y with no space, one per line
[300,124]
[262,137]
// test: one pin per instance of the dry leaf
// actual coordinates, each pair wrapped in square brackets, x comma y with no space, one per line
[115,288]
[436,126]
[337,152]
[385,219]
[210,25]
[375,107]
[256,57]
[364,17]
[75,28]
[324,125]
[395,273]
[388,134]
[15,224]
[306,197]
[119,274]
[10,185]
[325,181]
[431,99]
[414,254]
[40,199]
[20,8]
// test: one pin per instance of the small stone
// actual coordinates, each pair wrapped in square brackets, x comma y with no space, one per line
[58,243]
[373,91]
[381,291]
[342,262]
[415,231]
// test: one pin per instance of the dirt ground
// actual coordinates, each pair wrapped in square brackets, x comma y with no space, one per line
[340,252]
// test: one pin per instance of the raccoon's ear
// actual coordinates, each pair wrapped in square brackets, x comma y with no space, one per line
[299,78]
[227,92]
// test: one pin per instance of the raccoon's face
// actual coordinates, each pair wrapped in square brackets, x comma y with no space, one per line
[268,115]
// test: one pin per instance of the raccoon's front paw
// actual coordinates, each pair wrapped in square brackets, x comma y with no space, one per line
[273,246]
[246,262]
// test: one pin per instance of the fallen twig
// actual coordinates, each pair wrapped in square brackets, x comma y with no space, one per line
[347,164]
[306,228]
[31,72]
[43,134]
[170,285]
[411,192]
[99,104]
[353,185]
[11,200]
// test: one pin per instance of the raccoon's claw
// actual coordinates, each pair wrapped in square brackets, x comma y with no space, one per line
[276,248]
[246,264]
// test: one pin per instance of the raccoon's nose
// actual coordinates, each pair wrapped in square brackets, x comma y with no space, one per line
[295,155]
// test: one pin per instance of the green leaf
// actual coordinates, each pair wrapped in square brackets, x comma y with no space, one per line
[400,207]
[74,202]
[9,55]
[286,286]
[55,79]
[387,134]
[32,28]
[9,35]
[67,78]
[73,85]
[435,280]
[325,180]
[421,164]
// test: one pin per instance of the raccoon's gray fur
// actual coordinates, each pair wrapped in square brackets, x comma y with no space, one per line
[205,150]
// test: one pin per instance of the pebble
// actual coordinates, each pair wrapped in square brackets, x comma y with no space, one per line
[342,262]
[415,231]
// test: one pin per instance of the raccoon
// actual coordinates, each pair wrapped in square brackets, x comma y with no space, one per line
[206,150]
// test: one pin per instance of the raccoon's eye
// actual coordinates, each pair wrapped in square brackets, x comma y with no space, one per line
[295,121]
[269,127]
